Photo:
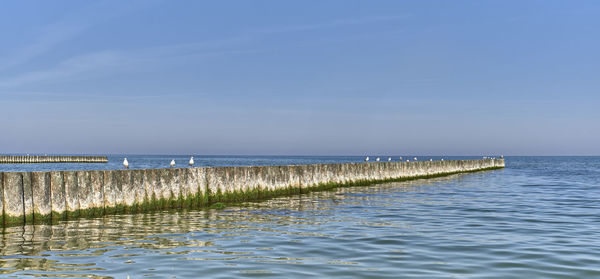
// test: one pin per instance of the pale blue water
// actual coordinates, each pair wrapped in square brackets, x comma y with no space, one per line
[537,218]
[163,161]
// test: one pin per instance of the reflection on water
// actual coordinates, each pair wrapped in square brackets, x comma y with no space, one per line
[493,224]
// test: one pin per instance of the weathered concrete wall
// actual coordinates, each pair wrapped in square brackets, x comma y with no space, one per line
[27,197]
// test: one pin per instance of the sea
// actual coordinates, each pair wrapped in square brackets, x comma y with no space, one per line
[537,218]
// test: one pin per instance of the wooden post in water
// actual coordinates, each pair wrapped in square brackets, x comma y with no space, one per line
[7,159]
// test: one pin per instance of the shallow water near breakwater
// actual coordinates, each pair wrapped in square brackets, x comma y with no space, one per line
[538,217]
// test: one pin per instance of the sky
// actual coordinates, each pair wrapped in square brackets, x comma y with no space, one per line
[300,77]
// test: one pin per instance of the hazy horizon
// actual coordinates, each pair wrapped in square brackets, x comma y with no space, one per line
[464,78]
[372,156]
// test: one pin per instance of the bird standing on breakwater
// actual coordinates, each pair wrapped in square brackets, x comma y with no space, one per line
[415,158]
[173,163]
[191,162]
[125,163]
[367,159]
[389,159]
[377,159]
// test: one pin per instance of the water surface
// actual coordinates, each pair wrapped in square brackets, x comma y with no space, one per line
[181,161]
[537,218]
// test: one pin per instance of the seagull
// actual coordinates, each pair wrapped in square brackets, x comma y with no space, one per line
[191,162]
[173,163]
[442,159]
[389,159]
[430,160]
[125,163]
[415,158]
[407,160]
[367,159]
[501,156]
[400,158]
[377,159]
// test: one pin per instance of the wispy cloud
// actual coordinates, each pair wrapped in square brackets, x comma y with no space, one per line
[76,97]
[111,62]
[255,35]
[330,24]
[52,36]
[103,63]
[66,69]
[55,33]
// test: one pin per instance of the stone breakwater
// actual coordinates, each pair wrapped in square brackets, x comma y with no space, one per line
[39,197]
[4,159]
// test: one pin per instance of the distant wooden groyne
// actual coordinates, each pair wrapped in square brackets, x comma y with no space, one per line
[4,159]
[36,197]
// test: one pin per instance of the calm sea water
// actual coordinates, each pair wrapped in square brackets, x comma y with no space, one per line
[537,218]
[181,161]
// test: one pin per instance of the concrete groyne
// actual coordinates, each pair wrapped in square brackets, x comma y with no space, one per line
[36,197]
[7,159]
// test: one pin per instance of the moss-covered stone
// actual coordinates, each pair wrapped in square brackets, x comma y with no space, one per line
[218,205]
[13,221]
[42,219]
[58,216]
[71,215]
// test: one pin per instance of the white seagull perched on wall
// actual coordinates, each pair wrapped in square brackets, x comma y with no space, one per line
[367,159]
[191,162]
[415,158]
[389,159]
[400,158]
[173,163]
[125,163]
[407,160]
[377,159]
[430,160]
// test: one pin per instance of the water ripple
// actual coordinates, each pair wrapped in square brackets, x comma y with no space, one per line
[534,219]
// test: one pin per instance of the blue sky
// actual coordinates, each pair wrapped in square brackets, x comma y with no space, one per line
[300,77]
